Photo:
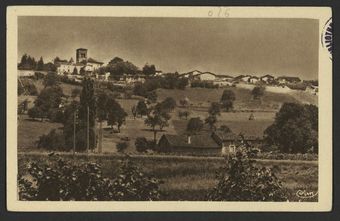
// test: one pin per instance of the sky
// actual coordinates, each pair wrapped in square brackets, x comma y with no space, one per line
[230,46]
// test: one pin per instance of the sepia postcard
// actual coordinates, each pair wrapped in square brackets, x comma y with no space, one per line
[169,108]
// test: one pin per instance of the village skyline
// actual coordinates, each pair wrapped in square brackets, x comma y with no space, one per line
[301,55]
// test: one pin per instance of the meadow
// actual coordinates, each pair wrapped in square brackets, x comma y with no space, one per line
[191,178]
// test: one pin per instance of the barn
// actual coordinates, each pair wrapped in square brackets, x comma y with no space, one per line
[200,144]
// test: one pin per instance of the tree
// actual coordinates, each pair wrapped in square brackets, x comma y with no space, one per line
[71,121]
[75,92]
[48,99]
[194,125]
[87,112]
[102,113]
[149,69]
[140,90]
[258,92]
[211,120]
[142,144]
[227,99]
[35,112]
[215,109]
[294,129]
[141,108]
[75,71]
[168,104]
[50,67]
[82,71]
[184,114]
[134,111]
[151,96]
[52,141]
[51,79]
[157,117]
[184,102]
[117,67]
[116,114]
[40,64]
[121,146]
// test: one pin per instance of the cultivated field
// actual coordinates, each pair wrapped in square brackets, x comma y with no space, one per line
[202,97]
[191,178]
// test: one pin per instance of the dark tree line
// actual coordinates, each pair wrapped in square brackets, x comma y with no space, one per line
[30,63]
[295,129]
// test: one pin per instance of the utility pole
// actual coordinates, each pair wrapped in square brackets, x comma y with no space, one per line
[74,133]
[88,130]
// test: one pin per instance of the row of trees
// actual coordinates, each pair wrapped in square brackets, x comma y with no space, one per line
[170,81]
[30,63]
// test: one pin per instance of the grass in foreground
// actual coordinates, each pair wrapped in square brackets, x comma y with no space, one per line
[191,179]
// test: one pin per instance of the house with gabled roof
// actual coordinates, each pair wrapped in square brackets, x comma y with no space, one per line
[199,144]
[267,79]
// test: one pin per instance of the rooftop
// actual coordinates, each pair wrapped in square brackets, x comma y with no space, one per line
[197,141]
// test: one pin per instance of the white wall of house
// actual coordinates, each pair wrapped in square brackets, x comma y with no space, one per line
[25,73]
[207,77]
[253,80]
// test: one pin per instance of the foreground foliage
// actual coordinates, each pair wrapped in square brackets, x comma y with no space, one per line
[62,180]
[241,180]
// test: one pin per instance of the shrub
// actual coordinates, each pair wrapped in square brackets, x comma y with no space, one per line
[240,180]
[60,180]
[56,115]
[142,144]
[35,112]
[52,141]
[121,146]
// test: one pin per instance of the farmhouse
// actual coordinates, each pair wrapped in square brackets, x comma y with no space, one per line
[159,73]
[268,79]
[82,62]
[200,144]
[253,79]
[228,140]
[199,76]
[285,79]
[215,143]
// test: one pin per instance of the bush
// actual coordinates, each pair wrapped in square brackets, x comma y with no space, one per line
[142,144]
[203,84]
[35,112]
[56,115]
[38,75]
[240,180]
[52,141]
[60,180]
[121,146]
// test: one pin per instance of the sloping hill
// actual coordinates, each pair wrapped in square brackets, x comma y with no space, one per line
[202,97]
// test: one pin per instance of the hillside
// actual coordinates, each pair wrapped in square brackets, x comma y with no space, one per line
[202,97]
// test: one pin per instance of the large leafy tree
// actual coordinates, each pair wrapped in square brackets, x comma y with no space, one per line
[227,99]
[258,92]
[294,129]
[157,117]
[141,108]
[117,67]
[194,125]
[149,69]
[49,99]
[87,110]
[213,111]
[168,104]
[40,64]
[116,114]
[51,79]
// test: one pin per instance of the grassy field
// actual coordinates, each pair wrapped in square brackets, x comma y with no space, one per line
[191,178]
[30,130]
[203,97]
